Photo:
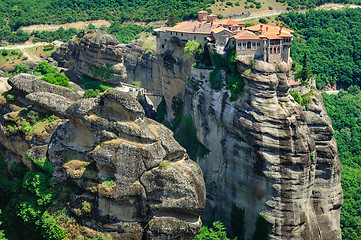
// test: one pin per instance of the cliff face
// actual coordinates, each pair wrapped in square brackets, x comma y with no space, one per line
[127,174]
[166,73]
[95,54]
[268,154]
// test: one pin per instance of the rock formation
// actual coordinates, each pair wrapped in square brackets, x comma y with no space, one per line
[268,154]
[129,176]
[166,74]
[95,54]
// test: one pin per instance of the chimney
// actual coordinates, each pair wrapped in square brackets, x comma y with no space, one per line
[281,26]
[267,22]
[212,17]
[202,16]
[276,24]
[266,29]
[211,24]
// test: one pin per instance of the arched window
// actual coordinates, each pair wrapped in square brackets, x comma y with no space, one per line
[249,45]
[270,50]
[278,50]
[253,44]
[258,44]
[275,50]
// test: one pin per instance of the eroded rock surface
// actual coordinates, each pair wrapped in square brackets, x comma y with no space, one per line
[27,83]
[139,181]
[96,54]
[268,154]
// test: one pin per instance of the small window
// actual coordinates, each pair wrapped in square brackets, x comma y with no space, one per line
[205,38]
[274,50]
[253,44]
[165,40]
[176,34]
[162,46]
[249,45]
[278,50]
[258,44]
[171,33]
[244,44]
[195,37]
[182,34]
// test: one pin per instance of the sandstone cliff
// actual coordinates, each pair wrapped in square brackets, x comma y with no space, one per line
[268,154]
[98,54]
[134,179]
[95,54]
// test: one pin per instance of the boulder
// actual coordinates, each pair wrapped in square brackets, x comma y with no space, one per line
[93,53]
[28,83]
[138,179]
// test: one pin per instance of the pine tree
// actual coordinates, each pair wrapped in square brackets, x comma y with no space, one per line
[305,70]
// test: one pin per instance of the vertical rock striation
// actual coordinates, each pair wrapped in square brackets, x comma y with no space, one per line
[268,154]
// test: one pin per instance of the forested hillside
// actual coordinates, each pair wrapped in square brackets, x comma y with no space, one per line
[301,4]
[28,12]
[332,42]
[344,110]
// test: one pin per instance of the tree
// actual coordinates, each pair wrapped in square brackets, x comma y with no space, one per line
[21,68]
[305,70]
[217,232]
[44,68]
[172,20]
[190,49]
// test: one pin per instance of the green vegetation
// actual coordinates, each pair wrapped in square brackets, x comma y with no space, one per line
[10,36]
[332,42]
[127,33]
[303,100]
[161,111]
[30,122]
[344,110]
[186,135]
[302,4]
[48,36]
[235,82]
[217,232]
[262,228]
[238,222]
[21,68]
[44,68]
[94,87]
[25,199]
[57,79]
[23,13]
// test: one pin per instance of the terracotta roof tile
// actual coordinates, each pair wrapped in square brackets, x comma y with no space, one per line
[228,22]
[270,31]
[294,83]
[193,27]
[246,35]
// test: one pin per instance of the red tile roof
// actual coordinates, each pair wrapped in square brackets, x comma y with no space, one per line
[245,34]
[193,27]
[294,83]
[228,22]
[270,31]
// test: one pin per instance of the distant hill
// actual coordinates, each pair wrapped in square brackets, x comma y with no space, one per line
[303,4]
[25,12]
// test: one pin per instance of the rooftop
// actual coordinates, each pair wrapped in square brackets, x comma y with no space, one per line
[245,34]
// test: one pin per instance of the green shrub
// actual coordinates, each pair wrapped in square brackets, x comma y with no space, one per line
[297,97]
[218,232]
[43,164]
[50,228]
[44,68]
[10,97]
[57,79]
[49,47]
[21,68]
[91,93]
[18,169]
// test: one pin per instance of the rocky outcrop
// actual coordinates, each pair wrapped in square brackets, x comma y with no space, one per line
[93,53]
[2,74]
[268,155]
[27,83]
[99,55]
[166,73]
[139,181]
